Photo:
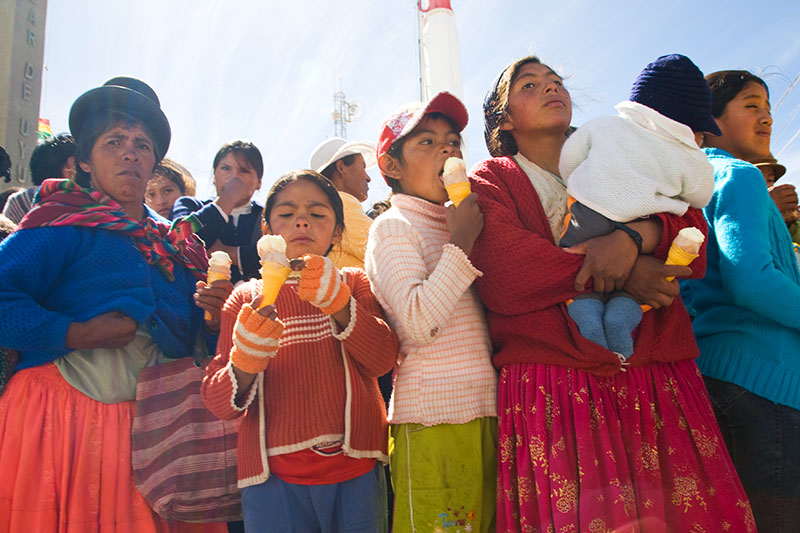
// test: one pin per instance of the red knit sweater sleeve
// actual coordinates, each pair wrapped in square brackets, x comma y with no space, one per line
[523,269]
[219,388]
[368,339]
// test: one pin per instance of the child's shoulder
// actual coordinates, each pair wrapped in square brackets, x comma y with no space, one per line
[393,221]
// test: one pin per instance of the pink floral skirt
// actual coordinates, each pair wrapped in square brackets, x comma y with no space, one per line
[639,451]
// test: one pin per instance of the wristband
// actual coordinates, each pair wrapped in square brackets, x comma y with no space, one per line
[632,233]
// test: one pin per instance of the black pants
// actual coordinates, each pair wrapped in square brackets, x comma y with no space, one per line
[763,439]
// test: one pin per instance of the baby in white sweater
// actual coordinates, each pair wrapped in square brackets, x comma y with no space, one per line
[621,168]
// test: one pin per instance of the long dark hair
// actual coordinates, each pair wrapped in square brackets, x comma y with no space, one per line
[726,84]
[244,149]
[495,108]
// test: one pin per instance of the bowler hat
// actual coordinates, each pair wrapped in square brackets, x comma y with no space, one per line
[770,161]
[128,95]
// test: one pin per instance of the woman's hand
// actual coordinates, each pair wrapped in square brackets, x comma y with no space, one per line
[234,193]
[211,299]
[648,283]
[785,197]
[109,330]
[608,262]
[465,223]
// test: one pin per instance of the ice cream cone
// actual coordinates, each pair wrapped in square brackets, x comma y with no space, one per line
[458,191]
[219,268]
[679,256]
[273,275]
[685,248]
[455,180]
[274,267]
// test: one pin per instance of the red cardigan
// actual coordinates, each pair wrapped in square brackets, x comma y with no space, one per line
[527,278]
[321,386]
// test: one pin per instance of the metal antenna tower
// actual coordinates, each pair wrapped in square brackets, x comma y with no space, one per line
[344,112]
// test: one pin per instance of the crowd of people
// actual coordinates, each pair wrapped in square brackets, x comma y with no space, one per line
[528,358]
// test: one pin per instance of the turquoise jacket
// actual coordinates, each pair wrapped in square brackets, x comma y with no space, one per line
[747,308]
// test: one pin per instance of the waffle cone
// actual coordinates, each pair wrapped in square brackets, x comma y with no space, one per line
[679,256]
[213,276]
[274,276]
[217,276]
[458,191]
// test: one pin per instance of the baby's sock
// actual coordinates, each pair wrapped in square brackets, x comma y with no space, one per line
[588,314]
[622,316]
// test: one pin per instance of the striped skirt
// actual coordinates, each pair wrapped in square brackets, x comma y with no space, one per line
[65,462]
[638,451]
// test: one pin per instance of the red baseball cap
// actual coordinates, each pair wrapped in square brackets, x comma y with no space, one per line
[404,120]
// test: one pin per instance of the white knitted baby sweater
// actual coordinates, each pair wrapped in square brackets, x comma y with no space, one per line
[633,165]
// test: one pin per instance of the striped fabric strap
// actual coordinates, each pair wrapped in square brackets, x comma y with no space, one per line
[65,203]
[255,340]
[321,285]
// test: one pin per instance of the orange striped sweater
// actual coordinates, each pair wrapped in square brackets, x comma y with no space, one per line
[321,386]
[424,285]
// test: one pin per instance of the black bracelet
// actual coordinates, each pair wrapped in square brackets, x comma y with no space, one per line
[632,233]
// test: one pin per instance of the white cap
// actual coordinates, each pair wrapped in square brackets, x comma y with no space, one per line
[334,149]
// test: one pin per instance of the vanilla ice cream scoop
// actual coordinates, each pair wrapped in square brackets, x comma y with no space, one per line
[689,240]
[220,263]
[272,249]
[455,171]
[455,180]
[274,267]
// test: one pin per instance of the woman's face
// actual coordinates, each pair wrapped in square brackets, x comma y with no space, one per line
[303,216]
[537,101]
[746,124]
[161,194]
[120,165]
[234,166]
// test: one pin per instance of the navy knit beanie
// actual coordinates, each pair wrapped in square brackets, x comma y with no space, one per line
[676,88]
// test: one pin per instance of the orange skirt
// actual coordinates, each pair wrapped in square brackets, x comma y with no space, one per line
[65,461]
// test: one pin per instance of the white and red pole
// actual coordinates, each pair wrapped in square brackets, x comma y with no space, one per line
[440,56]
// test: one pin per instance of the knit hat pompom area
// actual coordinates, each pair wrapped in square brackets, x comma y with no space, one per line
[676,88]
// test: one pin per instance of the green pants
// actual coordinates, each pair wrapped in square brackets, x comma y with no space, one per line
[444,476]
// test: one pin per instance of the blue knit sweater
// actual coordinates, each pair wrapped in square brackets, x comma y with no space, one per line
[748,305]
[52,276]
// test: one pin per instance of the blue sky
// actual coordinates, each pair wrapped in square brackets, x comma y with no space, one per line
[266,71]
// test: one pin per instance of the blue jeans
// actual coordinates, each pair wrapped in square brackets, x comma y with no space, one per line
[763,439]
[356,505]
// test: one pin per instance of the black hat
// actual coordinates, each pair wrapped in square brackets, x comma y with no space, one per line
[129,95]
[676,88]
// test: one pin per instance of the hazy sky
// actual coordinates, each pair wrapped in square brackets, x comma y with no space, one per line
[266,71]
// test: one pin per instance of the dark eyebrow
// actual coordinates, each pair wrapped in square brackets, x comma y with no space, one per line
[537,76]
[289,203]
[755,96]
